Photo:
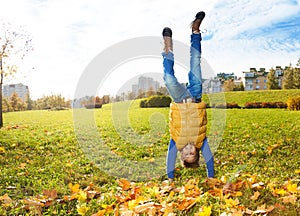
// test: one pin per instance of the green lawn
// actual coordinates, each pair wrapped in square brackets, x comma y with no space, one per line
[241,97]
[43,160]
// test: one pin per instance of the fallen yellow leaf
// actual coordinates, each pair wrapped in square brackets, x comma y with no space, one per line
[238,193]
[82,196]
[232,203]
[204,211]
[82,209]
[2,150]
[292,188]
[280,191]
[74,188]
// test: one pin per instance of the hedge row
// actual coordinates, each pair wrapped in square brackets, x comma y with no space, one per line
[164,101]
[93,106]
[225,106]
[294,103]
[156,101]
[280,105]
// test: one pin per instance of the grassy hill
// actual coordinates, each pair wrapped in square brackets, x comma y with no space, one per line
[241,97]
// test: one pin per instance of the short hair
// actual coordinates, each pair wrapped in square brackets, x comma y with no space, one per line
[194,164]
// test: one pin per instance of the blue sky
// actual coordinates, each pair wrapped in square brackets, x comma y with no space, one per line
[68,34]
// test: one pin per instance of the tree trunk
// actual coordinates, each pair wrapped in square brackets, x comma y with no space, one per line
[1,82]
[1,117]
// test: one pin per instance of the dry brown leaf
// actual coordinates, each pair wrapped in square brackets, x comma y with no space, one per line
[213,182]
[124,183]
[51,194]
[126,213]
[289,199]
[100,213]
[236,212]
[121,198]
[255,196]
[216,192]
[185,204]
[5,199]
[270,208]
[271,148]
[263,209]
[147,207]
[248,211]
[92,194]
[233,187]
[167,210]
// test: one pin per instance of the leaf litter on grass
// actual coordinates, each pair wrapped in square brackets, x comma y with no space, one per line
[164,198]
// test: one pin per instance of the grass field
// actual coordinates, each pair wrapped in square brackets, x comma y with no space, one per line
[55,163]
[241,97]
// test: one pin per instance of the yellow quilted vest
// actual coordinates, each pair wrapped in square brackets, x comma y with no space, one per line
[187,123]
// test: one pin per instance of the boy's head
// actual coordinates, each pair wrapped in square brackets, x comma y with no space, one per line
[190,156]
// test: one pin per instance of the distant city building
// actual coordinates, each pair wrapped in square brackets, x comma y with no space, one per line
[257,79]
[211,86]
[20,89]
[145,84]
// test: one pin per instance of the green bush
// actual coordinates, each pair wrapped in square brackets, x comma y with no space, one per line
[156,101]
[93,106]
[293,103]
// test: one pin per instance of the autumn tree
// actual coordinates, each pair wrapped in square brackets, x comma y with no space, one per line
[291,77]
[287,82]
[16,102]
[51,102]
[29,102]
[272,80]
[163,90]
[239,87]
[229,85]
[296,76]
[6,107]
[14,43]
[105,99]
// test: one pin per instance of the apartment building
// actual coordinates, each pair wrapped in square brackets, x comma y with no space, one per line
[211,86]
[20,89]
[257,79]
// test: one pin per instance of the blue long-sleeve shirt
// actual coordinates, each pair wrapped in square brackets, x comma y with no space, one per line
[206,152]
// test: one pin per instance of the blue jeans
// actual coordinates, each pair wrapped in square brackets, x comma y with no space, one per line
[178,91]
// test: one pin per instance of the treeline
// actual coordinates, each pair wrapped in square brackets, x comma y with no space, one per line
[52,102]
[91,102]
[290,79]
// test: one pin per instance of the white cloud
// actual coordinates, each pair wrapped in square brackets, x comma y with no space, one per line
[68,34]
